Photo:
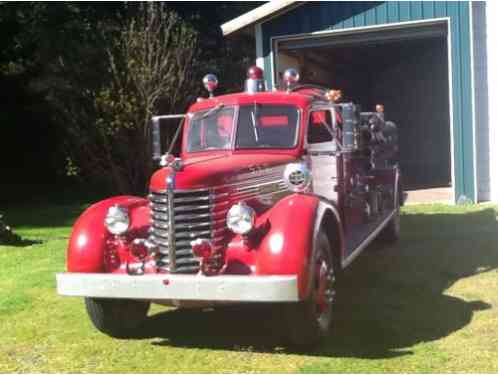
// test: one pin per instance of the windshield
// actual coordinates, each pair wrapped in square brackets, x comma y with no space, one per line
[211,130]
[256,126]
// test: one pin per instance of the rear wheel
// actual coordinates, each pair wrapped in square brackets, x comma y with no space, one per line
[116,317]
[309,321]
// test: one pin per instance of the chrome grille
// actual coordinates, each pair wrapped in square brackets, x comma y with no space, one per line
[181,216]
[192,214]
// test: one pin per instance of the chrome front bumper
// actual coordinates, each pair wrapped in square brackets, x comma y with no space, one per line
[180,287]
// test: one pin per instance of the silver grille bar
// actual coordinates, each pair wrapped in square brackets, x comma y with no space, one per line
[180,216]
[171,230]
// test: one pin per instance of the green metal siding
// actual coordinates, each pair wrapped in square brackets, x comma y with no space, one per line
[320,16]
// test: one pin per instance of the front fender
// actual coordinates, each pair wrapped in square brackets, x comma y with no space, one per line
[285,237]
[287,247]
[88,239]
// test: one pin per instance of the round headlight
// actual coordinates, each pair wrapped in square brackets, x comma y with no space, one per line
[297,177]
[117,220]
[241,218]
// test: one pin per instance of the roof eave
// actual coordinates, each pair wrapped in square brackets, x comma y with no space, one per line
[260,14]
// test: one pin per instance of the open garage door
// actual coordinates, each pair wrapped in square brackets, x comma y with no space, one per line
[406,69]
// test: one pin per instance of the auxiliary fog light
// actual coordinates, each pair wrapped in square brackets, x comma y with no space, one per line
[241,218]
[202,248]
[117,220]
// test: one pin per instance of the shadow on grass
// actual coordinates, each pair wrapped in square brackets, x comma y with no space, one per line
[22,242]
[44,216]
[390,299]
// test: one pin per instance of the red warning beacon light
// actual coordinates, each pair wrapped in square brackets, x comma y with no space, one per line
[255,72]
[255,81]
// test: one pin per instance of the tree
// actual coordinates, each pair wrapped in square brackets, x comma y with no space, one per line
[77,90]
[151,62]
[51,58]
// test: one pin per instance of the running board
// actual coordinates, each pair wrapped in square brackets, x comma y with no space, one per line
[346,262]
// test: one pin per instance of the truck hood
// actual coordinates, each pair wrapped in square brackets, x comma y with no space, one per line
[215,170]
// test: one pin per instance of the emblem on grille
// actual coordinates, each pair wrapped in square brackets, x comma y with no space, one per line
[297,177]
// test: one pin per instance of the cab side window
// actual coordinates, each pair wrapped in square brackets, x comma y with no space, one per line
[319,127]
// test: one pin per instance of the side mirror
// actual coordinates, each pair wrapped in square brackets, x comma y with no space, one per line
[156,136]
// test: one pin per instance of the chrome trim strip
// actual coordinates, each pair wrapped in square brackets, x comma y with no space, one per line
[253,178]
[160,225]
[249,179]
[247,196]
[215,206]
[346,262]
[200,207]
[197,225]
[158,235]
[180,287]
[171,224]
[157,199]
[256,187]
[193,235]
[260,189]
[156,207]
[164,217]
[186,225]
[159,216]
[164,117]
[180,191]
[192,199]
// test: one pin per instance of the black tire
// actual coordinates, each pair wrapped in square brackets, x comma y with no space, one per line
[306,323]
[116,317]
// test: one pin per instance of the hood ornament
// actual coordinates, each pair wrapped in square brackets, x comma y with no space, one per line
[169,160]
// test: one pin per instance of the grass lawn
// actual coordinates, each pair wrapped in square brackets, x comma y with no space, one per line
[428,304]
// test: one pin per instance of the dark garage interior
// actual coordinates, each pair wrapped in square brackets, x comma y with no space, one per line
[409,75]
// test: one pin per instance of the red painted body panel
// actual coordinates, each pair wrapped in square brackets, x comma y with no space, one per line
[285,247]
[216,169]
[89,239]
[276,97]
[293,219]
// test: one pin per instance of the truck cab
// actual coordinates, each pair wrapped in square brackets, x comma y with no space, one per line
[272,195]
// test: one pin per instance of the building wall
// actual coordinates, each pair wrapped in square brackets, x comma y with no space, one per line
[481,104]
[492,75]
[321,16]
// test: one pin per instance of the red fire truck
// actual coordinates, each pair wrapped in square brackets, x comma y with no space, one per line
[273,194]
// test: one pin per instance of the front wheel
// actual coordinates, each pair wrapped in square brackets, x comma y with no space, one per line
[115,317]
[309,321]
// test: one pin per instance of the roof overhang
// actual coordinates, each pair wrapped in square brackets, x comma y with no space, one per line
[260,14]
